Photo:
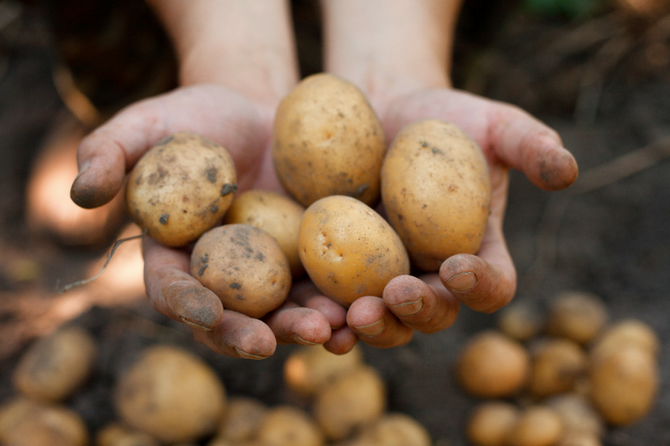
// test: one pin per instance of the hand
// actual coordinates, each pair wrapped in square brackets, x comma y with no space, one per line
[244,128]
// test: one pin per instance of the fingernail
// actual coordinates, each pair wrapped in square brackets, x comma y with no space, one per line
[298,340]
[246,355]
[373,329]
[194,325]
[462,282]
[408,308]
[84,167]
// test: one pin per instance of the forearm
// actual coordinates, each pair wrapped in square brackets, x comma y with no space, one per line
[245,45]
[390,44]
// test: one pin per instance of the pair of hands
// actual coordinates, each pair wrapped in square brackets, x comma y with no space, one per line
[508,136]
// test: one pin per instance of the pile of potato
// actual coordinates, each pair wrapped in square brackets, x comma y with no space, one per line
[560,378]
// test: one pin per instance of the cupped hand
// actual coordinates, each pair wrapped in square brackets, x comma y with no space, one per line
[244,128]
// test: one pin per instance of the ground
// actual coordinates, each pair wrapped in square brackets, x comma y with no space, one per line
[602,82]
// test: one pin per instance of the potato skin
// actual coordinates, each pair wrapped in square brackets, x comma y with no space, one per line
[436,188]
[181,188]
[349,250]
[244,266]
[328,141]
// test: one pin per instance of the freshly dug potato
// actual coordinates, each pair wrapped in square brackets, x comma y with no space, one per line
[243,417]
[181,188]
[352,400]
[349,250]
[170,394]
[579,439]
[393,429]
[54,367]
[520,321]
[536,426]
[556,366]
[492,365]
[491,422]
[577,414]
[624,384]
[310,368]
[116,434]
[328,141]
[631,332]
[436,189]
[244,266]
[289,426]
[276,214]
[25,422]
[577,315]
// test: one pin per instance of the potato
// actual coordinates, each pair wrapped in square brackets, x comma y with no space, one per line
[310,368]
[577,414]
[492,365]
[520,321]
[353,400]
[624,384]
[555,367]
[54,367]
[577,315]
[244,266]
[289,426]
[579,439]
[24,422]
[436,189]
[116,434]
[536,426]
[393,429]
[274,213]
[181,188]
[491,422]
[243,417]
[170,394]
[328,141]
[349,250]
[631,332]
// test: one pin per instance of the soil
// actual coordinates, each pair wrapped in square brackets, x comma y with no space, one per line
[603,82]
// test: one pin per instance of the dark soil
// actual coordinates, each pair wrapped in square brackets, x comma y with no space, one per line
[603,83]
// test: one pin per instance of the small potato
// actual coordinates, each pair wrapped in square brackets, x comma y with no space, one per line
[243,417]
[289,426]
[576,315]
[309,369]
[520,321]
[54,367]
[492,365]
[353,400]
[393,429]
[555,367]
[349,250]
[276,214]
[170,394]
[117,434]
[328,141]
[631,332]
[491,422]
[579,439]
[577,414]
[436,190]
[536,426]
[181,188]
[244,266]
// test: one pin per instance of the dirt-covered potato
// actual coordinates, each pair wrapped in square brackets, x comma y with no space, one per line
[536,426]
[242,419]
[624,384]
[490,423]
[579,439]
[631,332]
[328,141]
[349,250]
[520,321]
[393,429]
[54,367]
[171,394]
[577,414]
[492,365]
[310,368]
[276,214]
[181,188]
[436,189]
[576,315]
[354,399]
[116,434]
[244,266]
[555,367]
[289,426]
[24,422]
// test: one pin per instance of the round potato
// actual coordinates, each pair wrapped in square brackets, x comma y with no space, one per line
[349,250]
[116,434]
[436,188]
[628,332]
[490,423]
[577,315]
[328,141]
[536,426]
[556,366]
[242,418]
[289,426]
[274,213]
[394,429]
[244,266]
[181,188]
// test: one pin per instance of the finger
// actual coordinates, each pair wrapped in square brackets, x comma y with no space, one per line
[306,294]
[419,305]
[239,336]
[341,341]
[292,324]
[372,321]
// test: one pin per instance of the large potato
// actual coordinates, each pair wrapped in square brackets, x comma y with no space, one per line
[181,188]
[328,141]
[349,250]
[436,188]
[274,213]
[244,266]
